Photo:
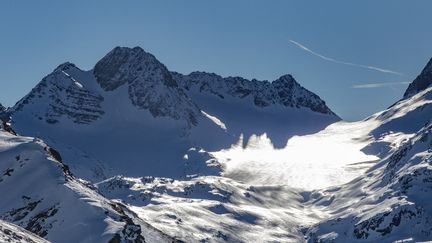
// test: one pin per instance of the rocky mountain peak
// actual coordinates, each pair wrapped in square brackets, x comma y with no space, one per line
[3,113]
[283,91]
[68,92]
[289,92]
[59,95]
[285,85]
[286,79]
[150,84]
[200,74]
[66,67]
[125,65]
[428,68]
[422,81]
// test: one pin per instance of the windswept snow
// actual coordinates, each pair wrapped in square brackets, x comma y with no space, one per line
[215,120]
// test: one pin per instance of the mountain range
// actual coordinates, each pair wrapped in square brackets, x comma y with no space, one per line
[130,151]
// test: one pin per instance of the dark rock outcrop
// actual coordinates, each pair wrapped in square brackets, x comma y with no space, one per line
[4,114]
[423,81]
[150,84]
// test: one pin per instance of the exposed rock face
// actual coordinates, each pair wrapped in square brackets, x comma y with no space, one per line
[4,116]
[422,81]
[150,84]
[126,65]
[10,233]
[284,91]
[59,94]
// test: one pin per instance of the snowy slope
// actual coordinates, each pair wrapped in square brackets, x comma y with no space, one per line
[10,233]
[213,208]
[41,195]
[391,202]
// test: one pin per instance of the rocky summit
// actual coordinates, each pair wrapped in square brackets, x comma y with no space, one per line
[422,81]
[149,83]
[283,91]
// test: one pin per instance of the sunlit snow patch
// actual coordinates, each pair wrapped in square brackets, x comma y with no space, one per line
[215,120]
[328,158]
[78,84]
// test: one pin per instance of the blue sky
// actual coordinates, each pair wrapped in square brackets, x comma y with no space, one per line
[232,38]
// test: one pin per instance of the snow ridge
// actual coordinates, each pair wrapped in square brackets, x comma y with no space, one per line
[283,91]
[77,95]
[10,233]
[422,81]
[4,115]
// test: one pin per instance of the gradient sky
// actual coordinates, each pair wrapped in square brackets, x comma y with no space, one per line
[232,38]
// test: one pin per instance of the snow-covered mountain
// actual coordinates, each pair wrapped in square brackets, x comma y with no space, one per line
[201,158]
[251,107]
[366,181]
[131,112]
[71,94]
[85,117]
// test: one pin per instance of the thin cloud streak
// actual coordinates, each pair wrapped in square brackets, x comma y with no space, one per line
[301,46]
[377,85]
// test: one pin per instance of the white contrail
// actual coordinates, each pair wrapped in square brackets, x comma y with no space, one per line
[344,63]
[376,85]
